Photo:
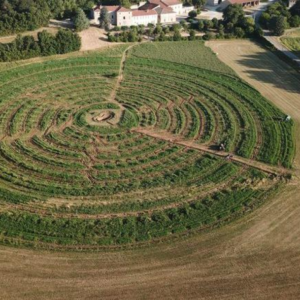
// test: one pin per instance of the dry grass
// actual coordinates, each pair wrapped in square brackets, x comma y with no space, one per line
[94,38]
[254,258]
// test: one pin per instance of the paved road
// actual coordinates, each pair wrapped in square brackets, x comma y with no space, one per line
[274,40]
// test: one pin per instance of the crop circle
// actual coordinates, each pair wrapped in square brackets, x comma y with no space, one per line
[91,160]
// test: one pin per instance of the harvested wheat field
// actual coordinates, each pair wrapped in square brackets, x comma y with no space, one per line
[178,110]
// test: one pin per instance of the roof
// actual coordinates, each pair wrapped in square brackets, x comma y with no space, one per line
[171,2]
[136,13]
[110,8]
[167,10]
[148,6]
[159,3]
[123,9]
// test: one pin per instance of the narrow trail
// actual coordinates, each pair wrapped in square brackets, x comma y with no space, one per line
[166,136]
[112,97]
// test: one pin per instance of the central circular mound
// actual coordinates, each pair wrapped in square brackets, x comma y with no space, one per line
[92,160]
[103,116]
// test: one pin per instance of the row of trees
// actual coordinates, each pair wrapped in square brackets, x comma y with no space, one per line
[235,24]
[278,17]
[47,44]
[157,33]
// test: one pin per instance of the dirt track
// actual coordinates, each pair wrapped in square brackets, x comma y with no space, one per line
[257,257]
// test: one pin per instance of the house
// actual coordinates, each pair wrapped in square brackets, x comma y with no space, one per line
[144,17]
[244,3]
[153,11]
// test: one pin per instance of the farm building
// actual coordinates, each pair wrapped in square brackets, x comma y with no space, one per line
[153,11]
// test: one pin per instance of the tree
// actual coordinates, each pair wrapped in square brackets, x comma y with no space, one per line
[265,19]
[67,41]
[158,29]
[192,35]
[277,25]
[200,25]
[233,13]
[47,43]
[198,3]
[208,24]
[221,30]
[125,3]
[132,36]
[295,21]
[184,24]
[104,19]
[162,37]
[177,36]
[80,20]
[193,14]
[215,23]
[239,32]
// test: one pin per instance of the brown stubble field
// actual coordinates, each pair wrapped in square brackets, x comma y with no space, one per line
[257,257]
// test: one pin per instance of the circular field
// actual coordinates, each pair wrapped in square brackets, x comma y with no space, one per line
[92,155]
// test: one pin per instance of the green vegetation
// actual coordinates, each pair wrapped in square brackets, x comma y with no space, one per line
[292,43]
[197,55]
[278,17]
[22,15]
[80,20]
[26,47]
[80,168]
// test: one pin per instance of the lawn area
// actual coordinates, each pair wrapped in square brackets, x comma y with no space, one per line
[292,43]
[196,54]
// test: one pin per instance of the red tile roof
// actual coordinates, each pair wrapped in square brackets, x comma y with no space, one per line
[110,8]
[136,13]
[148,6]
[158,2]
[167,10]
[171,2]
[123,9]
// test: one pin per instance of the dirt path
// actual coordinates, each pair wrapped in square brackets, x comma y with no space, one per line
[255,258]
[166,136]
[112,97]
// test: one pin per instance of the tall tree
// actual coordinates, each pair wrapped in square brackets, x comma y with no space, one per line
[233,13]
[104,19]
[80,20]
[277,25]
[198,3]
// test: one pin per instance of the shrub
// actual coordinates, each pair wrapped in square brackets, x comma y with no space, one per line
[193,14]
[81,22]
[26,47]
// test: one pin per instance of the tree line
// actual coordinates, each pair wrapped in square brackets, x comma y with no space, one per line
[235,24]
[278,17]
[24,15]
[24,47]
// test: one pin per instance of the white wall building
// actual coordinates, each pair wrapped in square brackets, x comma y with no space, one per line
[144,17]
[153,11]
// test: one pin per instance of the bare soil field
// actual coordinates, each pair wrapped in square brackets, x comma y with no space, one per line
[256,257]
[93,38]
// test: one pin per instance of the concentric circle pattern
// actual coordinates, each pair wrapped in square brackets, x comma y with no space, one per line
[91,155]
